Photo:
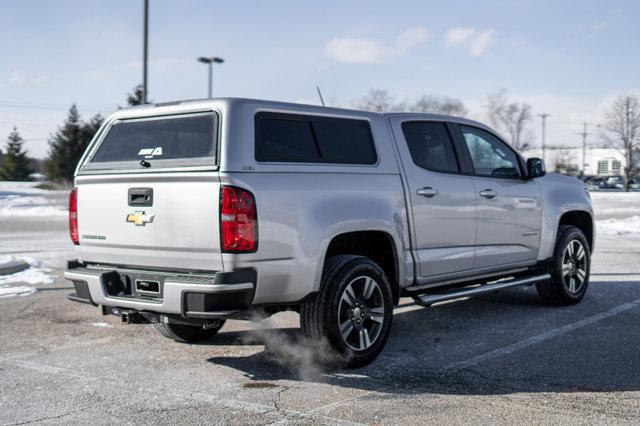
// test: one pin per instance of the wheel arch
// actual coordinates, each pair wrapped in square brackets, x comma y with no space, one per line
[582,220]
[377,245]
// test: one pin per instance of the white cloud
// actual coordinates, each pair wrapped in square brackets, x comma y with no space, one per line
[458,35]
[476,42]
[365,50]
[354,50]
[478,46]
[408,39]
[17,77]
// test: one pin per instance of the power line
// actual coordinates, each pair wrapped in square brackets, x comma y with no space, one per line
[48,106]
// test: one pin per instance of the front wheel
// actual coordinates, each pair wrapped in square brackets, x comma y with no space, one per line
[570,269]
[352,313]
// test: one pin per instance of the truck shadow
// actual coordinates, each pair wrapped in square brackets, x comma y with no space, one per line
[524,346]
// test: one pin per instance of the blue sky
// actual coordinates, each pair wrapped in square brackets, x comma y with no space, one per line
[567,58]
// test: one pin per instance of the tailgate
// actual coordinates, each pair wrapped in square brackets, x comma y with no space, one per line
[148,194]
[177,228]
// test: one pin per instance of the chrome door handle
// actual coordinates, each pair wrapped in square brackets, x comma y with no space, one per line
[488,193]
[427,191]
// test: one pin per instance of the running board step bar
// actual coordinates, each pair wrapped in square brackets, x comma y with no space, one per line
[433,298]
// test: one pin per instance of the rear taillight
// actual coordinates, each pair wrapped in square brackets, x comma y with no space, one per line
[73,216]
[238,220]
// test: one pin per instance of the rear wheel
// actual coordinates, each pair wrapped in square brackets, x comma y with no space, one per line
[352,313]
[188,333]
[570,269]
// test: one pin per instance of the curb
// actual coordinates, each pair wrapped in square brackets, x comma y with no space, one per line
[14,267]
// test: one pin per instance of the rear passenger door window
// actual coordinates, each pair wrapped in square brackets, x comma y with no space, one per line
[430,146]
[312,139]
[490,156]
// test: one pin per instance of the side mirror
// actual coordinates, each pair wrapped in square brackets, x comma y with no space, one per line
[536,168]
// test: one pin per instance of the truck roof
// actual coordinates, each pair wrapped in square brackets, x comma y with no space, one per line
[152,109]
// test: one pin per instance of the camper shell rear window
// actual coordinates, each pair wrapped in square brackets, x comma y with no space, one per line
[158,142]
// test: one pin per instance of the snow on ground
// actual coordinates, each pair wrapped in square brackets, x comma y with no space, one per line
[9,261]
[23,199]
[102,324]
[37,274]
[617,213]
[28,206]
[609,205]
[627,225]
[19,188]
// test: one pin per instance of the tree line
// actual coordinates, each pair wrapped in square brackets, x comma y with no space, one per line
[620,129]
[66,146]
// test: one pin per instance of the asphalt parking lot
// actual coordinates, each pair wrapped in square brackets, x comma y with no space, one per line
[499,358]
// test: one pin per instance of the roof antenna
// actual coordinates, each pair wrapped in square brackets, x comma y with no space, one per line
[320,95]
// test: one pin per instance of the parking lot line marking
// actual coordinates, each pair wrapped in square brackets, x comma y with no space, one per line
[541,337]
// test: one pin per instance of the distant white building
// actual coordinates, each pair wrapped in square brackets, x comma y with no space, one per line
[597,161]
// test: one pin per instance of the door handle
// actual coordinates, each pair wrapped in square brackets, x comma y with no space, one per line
[488,193]
[427,191]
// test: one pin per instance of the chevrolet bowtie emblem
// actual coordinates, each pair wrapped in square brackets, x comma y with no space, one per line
[140,218]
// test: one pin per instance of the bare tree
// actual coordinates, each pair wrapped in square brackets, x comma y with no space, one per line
[380,100]
[561,161]
[621,130]
[439,105]
[377,100]
[511,119]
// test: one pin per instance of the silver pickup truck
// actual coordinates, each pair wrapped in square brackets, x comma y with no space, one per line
[186,214]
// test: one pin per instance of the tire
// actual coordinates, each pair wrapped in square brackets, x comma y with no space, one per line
[187,333]
[570,269]
[356,293]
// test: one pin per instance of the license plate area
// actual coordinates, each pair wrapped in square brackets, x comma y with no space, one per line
[148,287]
[130,284]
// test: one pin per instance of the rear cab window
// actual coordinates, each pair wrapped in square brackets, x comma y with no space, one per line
[430,146]
[293,138]
[163,142]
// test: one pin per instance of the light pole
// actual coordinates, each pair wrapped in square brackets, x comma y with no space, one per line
[210,61]
[145,51]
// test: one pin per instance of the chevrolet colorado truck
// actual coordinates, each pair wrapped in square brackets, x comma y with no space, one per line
[189,213]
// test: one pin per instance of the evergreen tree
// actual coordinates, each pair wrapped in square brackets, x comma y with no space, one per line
[136,97]
[91,127]
[68,144]
[15,164]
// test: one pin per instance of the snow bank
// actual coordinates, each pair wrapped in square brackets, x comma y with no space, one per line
[29,206]
[16,291]
[36,274]
[627,225]
[9,261]
[23,199]
[18,188]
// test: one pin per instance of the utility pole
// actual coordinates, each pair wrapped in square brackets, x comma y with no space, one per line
[584,134]
[145,52]
[627,144]
[544,133]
